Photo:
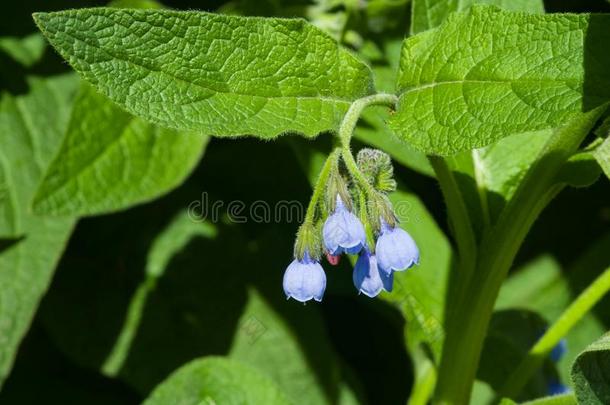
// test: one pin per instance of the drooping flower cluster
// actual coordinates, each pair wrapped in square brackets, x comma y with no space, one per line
[369,230]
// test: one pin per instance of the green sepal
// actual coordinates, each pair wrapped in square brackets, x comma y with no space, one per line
[379,207]
[364,218]
[337,185]
[308,240]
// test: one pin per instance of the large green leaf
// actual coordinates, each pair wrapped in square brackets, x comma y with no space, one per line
[486,74]
[427,14]
[31,129]
[591,373]
[216,380]
[220,75]
[110,160]
[500,168]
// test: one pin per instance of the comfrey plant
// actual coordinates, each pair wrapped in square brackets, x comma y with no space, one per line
[367,229]
[500,109]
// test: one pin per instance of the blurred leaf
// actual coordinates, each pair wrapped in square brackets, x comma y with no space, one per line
[135,4]
[489,176]
[193,293]
[264,340]
[543,287]
[501,167]
[482,394]
[565,399]
[510,336]
[591,373]
[603,130]
[216,380]
[602,154]
[289,77]
[386,15]
[581,170]
[42,374]
[27,51]
[175,237]
[450,82]
[428,14]
[31,129]
[110,160]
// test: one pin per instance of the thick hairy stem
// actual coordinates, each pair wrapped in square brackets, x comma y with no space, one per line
[466,330]
[460,222]
[319,188]
[346,130]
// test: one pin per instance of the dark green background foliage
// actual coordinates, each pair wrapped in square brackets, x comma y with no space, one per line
[138,293]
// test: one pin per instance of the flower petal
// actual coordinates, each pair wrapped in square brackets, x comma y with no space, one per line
[557,388]
[304,281]
[559,350]
[387,280]
[343,231]
[396,250]
[367,277]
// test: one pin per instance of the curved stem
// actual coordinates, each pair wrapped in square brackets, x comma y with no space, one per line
[355,110]
[346,130]
[353,169]
[460,221]
[534,359]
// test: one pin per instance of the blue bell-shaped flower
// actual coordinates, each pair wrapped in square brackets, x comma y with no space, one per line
[395,249]
[343,232]
[367,277]
[304,279]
